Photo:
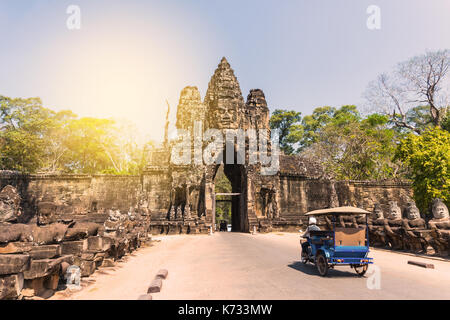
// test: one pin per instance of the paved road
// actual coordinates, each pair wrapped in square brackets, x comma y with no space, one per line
[263,266]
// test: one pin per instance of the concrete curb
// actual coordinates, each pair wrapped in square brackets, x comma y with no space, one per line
[155,286]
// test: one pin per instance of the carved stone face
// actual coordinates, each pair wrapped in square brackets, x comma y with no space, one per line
[377,212]
[440,210]
[394,210]
[412,211]
[225,115]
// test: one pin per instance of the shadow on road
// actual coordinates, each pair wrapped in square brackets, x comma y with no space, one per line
[311,270]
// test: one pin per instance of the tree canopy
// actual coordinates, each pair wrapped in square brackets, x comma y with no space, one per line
[428,157]
[37,139]
[291,131]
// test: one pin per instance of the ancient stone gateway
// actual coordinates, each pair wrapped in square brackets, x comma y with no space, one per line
[182,197]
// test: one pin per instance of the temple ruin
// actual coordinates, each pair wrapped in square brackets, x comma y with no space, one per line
[49,223]
[182,198]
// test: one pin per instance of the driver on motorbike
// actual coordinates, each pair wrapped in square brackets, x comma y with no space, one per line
[311,227]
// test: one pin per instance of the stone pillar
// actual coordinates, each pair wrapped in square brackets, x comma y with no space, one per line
[209,201]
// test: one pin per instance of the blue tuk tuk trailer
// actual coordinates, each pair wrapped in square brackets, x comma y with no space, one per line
[340,245]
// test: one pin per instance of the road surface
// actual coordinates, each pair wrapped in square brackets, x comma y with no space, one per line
[263,266]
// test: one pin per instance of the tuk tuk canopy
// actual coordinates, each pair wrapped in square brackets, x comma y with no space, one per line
[338,211]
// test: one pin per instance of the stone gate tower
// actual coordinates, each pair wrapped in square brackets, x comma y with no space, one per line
[182,197]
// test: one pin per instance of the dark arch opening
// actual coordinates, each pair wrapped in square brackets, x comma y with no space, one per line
[236,175]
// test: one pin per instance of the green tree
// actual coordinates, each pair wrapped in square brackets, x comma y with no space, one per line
[291,131]
[24,125]
[349,147]
[428,157]
[222,185]
[314,124]
[90,146]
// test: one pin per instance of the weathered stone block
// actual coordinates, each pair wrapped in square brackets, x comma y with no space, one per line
[145,297]
[108,262]
[45,267]
[99,243]
[15,247]
[45,252]
[74,247]
[87,266]
[11,286]
[88,256]
[14,263]
[36,286]
[51,281]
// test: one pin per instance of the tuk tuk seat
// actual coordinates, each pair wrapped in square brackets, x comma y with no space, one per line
[350,236]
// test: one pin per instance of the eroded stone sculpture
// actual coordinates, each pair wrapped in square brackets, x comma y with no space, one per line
[376,226]
[440,227]
[393,225]
[9,204]
[415,235]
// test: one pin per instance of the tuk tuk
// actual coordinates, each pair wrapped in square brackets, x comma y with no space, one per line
[339,246]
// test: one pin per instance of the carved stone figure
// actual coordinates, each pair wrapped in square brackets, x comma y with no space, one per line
[187,212]
[9,204]
[440,227]
[172,213]
[393,226]
[415,235]
[377,235]
[348,221]
[179,213]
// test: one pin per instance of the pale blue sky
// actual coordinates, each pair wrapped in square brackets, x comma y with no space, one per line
[129,56]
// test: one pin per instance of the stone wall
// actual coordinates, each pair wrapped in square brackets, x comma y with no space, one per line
[299,195]
[72,195]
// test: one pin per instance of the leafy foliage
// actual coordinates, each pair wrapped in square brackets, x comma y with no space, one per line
[34,138]
[314,124]
[428,156]
[349,147]
[291,132]
[222,185]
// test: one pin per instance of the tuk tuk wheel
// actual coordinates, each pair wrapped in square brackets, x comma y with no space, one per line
[361,269]
[322,264]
